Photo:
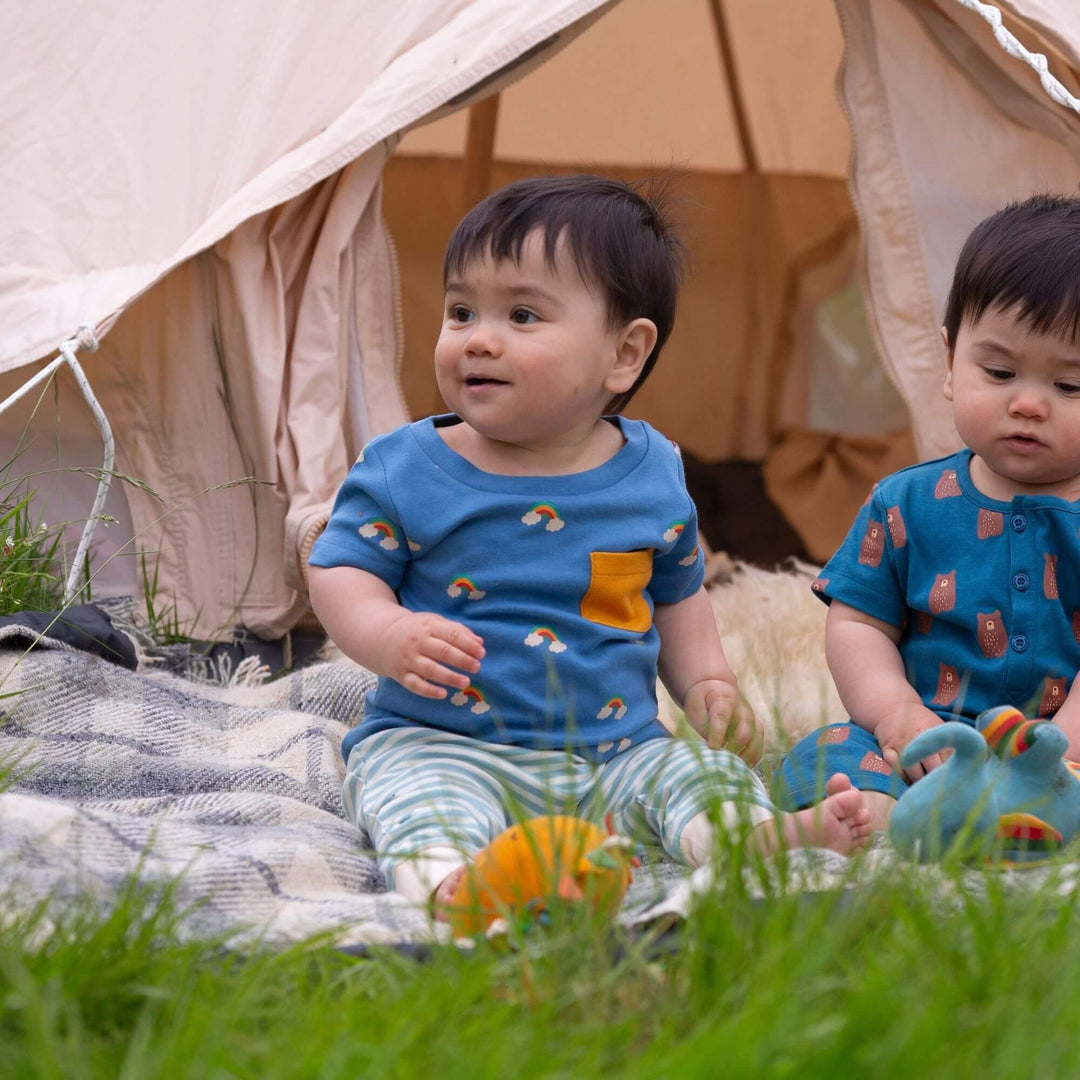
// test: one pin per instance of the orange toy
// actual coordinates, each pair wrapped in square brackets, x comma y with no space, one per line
[526,865]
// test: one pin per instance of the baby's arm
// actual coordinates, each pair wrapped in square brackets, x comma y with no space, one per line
[869,674]
[698,676]
[363,617]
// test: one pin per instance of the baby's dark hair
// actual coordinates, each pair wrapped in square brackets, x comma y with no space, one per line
[1027,257]
[620,237]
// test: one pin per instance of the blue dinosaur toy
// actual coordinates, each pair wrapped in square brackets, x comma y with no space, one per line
[1006,780]
[958,798]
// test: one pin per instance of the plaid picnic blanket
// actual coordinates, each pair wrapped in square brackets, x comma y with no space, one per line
[234,791]
[233,795]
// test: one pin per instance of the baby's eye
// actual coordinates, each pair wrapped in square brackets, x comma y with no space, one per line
[1068,387]
[999,374]
[459,313]
[522,316]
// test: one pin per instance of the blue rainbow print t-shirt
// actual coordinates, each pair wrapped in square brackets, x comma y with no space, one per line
[558,575]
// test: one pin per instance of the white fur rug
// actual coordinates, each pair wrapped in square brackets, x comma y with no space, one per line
[773,630]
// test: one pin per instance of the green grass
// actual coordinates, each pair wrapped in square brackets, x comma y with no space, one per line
[892,982]
[30,577]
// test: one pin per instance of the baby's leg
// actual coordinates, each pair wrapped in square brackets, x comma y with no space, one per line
[846,749]
[431,799]
[427,801]
[661,789]
[841,821]
[670,785]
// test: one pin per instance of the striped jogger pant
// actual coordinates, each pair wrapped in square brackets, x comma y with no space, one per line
[433,798]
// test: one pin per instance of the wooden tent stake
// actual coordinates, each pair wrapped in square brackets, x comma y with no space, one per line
[754,208]
[479,150]
[731,77]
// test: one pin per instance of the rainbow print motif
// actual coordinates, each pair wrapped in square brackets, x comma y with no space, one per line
[546,513]
[383,528]
[473,694]
[615,707]
[691,558]
[624,744]
[674,531]
[413,545]
[464,586]
[539,634]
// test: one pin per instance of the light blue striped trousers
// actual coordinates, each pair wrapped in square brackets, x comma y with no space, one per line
[419,789]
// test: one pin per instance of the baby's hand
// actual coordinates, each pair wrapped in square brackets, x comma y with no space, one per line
[895,730]
[419,650]
[722,717]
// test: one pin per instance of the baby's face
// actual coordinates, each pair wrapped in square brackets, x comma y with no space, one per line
[1016,403]
[525,352]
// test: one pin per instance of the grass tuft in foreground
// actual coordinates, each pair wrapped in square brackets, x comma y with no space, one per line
[29,566]
[899,980]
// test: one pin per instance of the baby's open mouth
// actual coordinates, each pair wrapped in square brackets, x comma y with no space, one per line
[483,380]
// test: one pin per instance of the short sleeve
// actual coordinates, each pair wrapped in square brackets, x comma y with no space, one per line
[365,530]
[863,573]
[679,563]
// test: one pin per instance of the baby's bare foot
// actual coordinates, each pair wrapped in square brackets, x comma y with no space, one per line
[444,894]
[841,821]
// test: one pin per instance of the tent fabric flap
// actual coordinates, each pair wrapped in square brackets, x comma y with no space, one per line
[237,365]
[160,134]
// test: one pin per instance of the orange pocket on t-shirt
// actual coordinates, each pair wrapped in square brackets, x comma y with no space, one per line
[617,584]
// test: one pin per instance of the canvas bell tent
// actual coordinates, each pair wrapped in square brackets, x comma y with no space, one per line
[216,191]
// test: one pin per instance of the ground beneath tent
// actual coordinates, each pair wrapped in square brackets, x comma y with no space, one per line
[736,514]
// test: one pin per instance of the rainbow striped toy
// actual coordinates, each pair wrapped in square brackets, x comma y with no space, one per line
[1006,788]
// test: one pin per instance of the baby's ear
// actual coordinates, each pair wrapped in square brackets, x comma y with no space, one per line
[635,342]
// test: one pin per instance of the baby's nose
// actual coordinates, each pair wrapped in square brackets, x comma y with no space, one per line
[484,340]
[1028,402]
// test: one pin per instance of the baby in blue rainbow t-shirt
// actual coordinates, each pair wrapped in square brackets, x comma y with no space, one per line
[519,570]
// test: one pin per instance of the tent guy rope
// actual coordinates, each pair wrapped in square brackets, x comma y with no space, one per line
[1037,61]
[84,339]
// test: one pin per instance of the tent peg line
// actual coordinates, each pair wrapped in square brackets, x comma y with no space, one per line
[1036,61]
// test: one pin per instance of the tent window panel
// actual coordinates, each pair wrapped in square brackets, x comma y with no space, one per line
[848,390]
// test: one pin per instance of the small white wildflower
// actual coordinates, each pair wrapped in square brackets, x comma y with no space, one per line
[43,527]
